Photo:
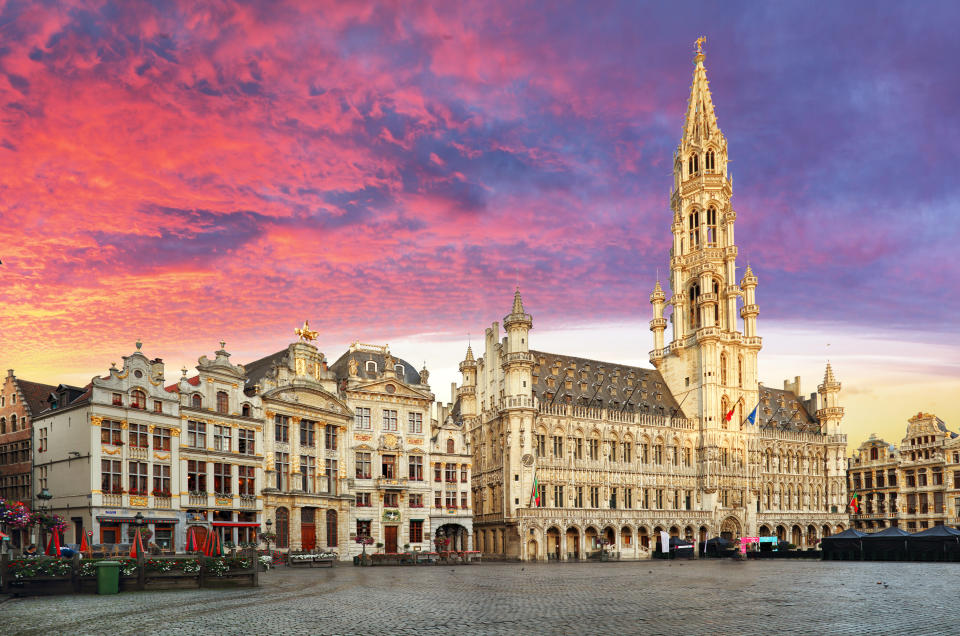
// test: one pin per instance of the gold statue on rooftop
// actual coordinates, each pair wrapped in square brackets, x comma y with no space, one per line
[700,42]
[306,334]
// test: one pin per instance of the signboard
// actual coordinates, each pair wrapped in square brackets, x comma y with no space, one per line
[745,540]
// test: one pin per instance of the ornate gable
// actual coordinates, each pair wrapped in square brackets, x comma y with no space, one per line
[389,388]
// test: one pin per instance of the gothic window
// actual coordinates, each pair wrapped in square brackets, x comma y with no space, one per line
[710,161]
[740,371]
[711,226]
[693,227]
[694,311]
[723,369]
[694,164]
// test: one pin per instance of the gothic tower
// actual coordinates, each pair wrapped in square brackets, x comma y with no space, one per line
[709,364]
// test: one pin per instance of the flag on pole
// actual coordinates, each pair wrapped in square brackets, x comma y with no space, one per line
[855,503]
[752,418]
[535,495]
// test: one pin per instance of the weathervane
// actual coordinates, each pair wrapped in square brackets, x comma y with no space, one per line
[700,41]
[306,334]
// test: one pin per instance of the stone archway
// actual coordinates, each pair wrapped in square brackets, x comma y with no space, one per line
[825,530]
[590,535]
[796,536]
[730,528]
[532,550]
[454,534]
[643,537]
[573,543]
[764,531]
[553,541]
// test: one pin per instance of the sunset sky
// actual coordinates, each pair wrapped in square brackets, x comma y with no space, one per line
[391,171]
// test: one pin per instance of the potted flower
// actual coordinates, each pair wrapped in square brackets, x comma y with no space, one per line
[363,559]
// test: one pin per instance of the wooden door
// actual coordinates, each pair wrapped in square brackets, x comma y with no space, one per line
[390,538]
[308,529]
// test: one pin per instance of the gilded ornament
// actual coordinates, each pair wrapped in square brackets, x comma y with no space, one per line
[175,432]
[95,421]
[305,333]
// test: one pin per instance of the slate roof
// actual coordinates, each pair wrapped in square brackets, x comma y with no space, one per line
[601,384]
[342,366]
[787,411]
[258,369]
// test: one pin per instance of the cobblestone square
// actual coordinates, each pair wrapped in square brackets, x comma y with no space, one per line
[647,597]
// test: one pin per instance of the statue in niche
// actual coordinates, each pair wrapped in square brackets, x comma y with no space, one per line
[353,366]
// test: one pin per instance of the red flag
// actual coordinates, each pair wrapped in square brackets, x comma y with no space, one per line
[730,414]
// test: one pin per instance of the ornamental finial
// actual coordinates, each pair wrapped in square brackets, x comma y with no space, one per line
[700,42]
[306,334]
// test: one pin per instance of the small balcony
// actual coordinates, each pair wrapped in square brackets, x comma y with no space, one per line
[197,499]
[391,482]
[112,500]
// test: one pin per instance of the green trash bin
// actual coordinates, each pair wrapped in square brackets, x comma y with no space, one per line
[108,577]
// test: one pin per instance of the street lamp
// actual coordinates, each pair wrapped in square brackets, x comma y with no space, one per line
[268,534]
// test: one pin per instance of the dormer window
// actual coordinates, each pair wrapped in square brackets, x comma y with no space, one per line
[371,366]
[223,402]
[117,399]
[246,410]
[398,368]
[196,401]
[138,399]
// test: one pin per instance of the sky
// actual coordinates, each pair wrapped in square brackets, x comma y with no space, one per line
[187,172]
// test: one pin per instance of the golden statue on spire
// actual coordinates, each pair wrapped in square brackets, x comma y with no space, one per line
[700,42]
[306,334]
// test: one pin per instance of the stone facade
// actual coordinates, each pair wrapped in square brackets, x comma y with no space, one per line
[99,448]
[913,487]
[306,424]
[220,458]
[20,400]
[569,452]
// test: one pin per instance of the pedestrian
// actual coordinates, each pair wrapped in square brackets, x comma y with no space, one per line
[31,550]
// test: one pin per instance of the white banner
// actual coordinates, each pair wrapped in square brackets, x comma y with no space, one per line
[664,542]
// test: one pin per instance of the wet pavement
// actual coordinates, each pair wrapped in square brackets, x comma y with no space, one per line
[647,597]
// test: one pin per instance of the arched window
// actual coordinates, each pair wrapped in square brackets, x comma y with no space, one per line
[693,227]
[332,529]
[723,369]
[450,447]
[740,371]
[138,399]
[13,422]
[223,402]
[873,453]
[246,410]
[371,366]
[694,312]
[724,408]
[709,162]
[283,528]
[398,368]
[196,401]
[711,226]
[694,164]
[3,425]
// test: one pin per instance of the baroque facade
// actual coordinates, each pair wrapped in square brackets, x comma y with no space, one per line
[914,486]
[571,453]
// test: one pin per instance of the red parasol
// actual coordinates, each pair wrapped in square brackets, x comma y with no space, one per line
[137,548]
[208,544]
[217,546]
[191,543]
[84,546]
[53,548]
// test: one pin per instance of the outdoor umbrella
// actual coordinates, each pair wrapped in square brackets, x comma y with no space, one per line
[53,548]
[208,545]
[191,542]
[84,546]
[137,548]
[217,546]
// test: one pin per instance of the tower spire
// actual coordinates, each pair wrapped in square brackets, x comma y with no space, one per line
[701,121]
